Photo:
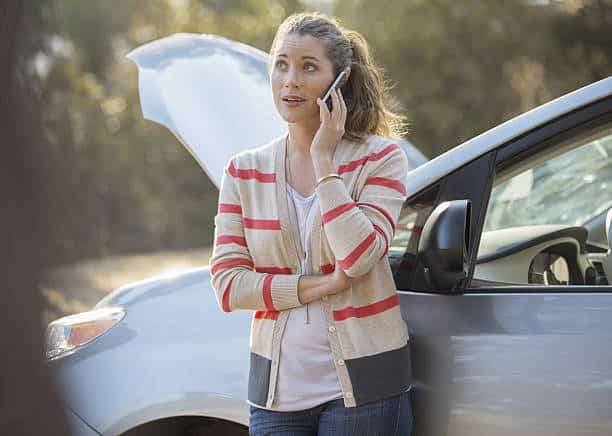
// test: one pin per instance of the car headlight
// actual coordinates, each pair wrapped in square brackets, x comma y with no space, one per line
[70,332]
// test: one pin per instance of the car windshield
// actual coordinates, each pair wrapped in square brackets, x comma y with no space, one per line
[571,189]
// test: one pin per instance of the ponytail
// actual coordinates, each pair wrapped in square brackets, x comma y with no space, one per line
[367,95]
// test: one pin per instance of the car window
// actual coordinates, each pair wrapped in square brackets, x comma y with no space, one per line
[560,190]
[404,245]
[534,224]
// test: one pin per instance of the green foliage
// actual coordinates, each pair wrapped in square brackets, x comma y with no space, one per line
[123,184]
[462,67]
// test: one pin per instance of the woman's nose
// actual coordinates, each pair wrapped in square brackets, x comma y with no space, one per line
[292,80]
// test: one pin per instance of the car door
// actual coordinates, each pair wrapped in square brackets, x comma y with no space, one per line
[524,344]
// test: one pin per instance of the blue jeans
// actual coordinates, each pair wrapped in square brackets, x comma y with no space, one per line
[388,417]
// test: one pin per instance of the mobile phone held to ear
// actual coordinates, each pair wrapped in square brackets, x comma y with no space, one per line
[336,84]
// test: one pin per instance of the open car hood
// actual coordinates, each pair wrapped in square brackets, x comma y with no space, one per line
[214,95]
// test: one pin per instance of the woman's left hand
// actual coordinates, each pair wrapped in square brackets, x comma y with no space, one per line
[331,129]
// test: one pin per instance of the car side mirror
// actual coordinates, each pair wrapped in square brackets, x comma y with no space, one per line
[443,246]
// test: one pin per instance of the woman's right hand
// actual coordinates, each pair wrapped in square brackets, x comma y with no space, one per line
[313,287]
[339,280]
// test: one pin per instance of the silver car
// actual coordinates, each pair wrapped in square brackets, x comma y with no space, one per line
[501,259]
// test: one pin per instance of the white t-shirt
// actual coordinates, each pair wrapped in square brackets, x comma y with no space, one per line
[306,371]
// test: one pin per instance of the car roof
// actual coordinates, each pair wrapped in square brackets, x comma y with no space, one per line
[431,171]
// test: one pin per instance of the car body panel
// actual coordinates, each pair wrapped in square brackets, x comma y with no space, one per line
[513,363]
[175,353]
[212,93]
[77,426]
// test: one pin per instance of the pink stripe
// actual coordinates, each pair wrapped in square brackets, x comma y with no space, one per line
[230,264]
[369,310]
[228,239]
[349,260]
[252,223]
[415,229]
[386,182]
[226,297]
[251,173]
[267,292]
[371,158]
[273,270]
[337,211]
[263,314]
[229,208]
[345,168]
[381,231]
[328,268]
[381,210]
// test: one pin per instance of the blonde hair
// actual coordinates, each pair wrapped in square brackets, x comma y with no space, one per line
[366,93]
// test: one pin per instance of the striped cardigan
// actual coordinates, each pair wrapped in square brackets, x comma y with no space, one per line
[255,264]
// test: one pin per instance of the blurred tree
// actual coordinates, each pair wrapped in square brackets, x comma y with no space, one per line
[582,35]
[30,403]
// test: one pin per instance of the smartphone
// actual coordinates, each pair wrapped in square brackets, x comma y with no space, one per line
[336,84]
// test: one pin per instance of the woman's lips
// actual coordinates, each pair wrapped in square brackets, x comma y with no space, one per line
[293,102]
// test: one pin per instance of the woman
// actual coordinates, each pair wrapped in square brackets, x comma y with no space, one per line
[302,232]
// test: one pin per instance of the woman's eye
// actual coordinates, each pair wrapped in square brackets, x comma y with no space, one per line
[283,65]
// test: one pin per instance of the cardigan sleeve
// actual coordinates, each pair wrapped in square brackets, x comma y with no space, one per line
[237,286]
[359,231]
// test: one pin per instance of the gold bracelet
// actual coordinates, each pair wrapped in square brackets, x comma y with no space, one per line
[328,176]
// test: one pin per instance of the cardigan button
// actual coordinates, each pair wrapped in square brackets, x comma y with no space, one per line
[349,395]
[340,362]
[332,328]
[324,298]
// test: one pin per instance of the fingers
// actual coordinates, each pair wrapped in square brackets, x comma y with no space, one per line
[336,109]
[344,109]
[336,120]
[339,111]
[323,111]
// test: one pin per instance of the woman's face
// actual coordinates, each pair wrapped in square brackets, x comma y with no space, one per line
[301,72]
